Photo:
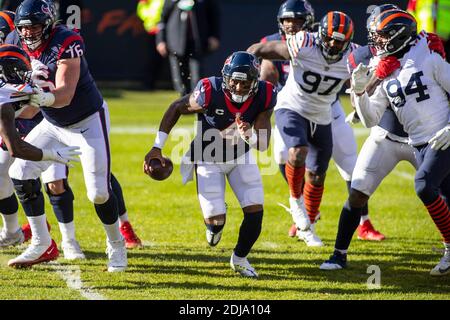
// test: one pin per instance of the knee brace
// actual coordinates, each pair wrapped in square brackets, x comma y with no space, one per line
[27,190]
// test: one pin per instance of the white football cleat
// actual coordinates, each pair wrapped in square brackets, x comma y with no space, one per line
[117,255]
[299,214]
[35,254]
[213,238]
[242,266]
[72,250]
[443,267]
[11,239]
[310,237]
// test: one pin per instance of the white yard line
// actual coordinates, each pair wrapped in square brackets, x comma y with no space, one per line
[71,274]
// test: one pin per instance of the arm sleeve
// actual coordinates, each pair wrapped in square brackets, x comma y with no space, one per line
[72,47]
[297,44]
[441,71]
[202,93]
[370,110]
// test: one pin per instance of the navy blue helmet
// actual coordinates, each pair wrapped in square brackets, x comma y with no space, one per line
[240,67]
[296,9]
[6,24]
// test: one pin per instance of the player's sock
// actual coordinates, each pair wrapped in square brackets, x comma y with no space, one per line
[364,217]
[8,208]
[62,205]
[341,251]
[214,228]
[295,177]
[440,214]
[282,168]
[117,190]
[248,233]
[348,222]
[39,230]
[67,231]
[108,211]
[313,197]
[112,231]
[123,218]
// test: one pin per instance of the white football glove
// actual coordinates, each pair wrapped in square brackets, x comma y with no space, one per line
[361,77]
[62,155]
[441,139]
[41,99]
[352,118]
[39,75]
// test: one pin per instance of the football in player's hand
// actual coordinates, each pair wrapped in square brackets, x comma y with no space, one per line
[159,172]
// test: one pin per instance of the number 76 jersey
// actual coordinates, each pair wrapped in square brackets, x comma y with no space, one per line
[313,83]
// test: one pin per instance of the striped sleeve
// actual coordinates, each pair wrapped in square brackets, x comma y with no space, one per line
[298,43]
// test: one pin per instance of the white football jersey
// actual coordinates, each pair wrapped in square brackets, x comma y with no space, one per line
[10,93]
[416,92]
[313,83]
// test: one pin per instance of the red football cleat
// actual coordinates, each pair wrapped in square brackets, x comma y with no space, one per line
[26,229]
[131,239]
[292,231]
[366,231]
[35,254]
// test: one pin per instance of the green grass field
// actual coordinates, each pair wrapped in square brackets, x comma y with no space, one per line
[177,263]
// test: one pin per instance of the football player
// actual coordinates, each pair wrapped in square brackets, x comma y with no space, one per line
[233,116]
[15,71]
[303,112]
[416,89]
[74,113]
[294,16]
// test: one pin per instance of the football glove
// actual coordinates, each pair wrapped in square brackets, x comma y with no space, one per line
[435,44]
[62,155]
[360,78]
[386,67]
[41,99]
[441,139]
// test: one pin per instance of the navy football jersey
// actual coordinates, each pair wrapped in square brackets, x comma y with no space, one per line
[24,126]
[217,123]
[389,120]
[283,66]
[64,43]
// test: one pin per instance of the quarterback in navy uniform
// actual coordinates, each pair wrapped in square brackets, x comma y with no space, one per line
[74,113]
[234,109]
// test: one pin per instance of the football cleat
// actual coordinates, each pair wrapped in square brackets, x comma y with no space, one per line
[131,239]
[26,229]
[72,250]
[35,254]
[292,231]
[213,238]
[242,266]
[366,231]
[336,262]
[117,255]
[11,239]
[299,214]
[310,237]
[443,267]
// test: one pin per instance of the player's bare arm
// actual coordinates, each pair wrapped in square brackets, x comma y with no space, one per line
[183,105]
[66,80]
[272,50]
[17,148]
[263,127]
[269,72]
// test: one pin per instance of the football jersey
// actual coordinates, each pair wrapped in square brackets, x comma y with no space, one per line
[218,122]
[416,92]
[388,121]
[64,43]
[282,66]
[313,83]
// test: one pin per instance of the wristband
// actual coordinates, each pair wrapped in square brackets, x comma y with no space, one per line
[160,139]
[253,139]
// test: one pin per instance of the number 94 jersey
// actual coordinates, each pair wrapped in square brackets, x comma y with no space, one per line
[313,83]
[416,92]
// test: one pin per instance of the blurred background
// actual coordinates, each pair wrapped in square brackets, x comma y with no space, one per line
[121,53]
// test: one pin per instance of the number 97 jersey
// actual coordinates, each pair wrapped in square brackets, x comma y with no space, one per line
[313,83]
